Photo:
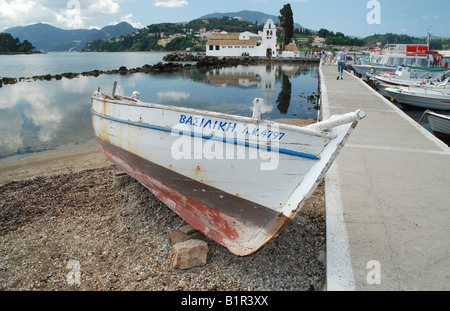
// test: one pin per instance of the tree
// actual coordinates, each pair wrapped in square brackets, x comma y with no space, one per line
[323,33]
[10,45]
[7,43]
[26,47]
[287,22]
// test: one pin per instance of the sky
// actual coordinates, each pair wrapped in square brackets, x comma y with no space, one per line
[352,17]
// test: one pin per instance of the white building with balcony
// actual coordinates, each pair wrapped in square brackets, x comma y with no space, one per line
[263,44]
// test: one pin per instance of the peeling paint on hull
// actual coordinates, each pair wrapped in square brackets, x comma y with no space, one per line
[228,219]
[233,202]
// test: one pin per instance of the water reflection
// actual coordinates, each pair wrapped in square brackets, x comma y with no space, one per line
[284,98]
[264,77]
[43,115]
[38,116]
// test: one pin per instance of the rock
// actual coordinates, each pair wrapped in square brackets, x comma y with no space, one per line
[123,70]
[9,80]
[187,229]
[189,254]
[69,75]
[322,258]
[121,179]
[177,237]
[185,233]
[182,57]
[146,68]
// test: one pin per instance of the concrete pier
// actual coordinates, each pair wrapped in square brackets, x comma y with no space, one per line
[387,197]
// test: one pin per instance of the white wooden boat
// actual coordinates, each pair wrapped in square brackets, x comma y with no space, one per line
[237,179]
[439,123]
[424,97]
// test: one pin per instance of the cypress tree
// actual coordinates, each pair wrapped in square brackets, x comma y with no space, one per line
[287,22]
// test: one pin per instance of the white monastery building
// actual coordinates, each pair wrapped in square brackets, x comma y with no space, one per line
[245,43]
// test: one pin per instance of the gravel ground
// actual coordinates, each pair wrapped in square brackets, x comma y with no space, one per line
[51,227]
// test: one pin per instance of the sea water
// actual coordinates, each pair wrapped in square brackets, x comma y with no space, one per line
[17,66]
[46,115]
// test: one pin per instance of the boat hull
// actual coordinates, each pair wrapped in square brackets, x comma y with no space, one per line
[366,70]
[239,191]
[440,124]
[430,100]
[422,72]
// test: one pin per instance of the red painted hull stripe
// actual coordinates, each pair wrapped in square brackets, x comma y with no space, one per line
[235,207]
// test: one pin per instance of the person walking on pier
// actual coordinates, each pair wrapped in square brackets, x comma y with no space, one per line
[341,56]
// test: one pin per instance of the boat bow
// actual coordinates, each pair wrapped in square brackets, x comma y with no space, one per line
[237,179]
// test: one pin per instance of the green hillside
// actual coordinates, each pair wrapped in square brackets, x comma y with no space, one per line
[390,38]
[177,36]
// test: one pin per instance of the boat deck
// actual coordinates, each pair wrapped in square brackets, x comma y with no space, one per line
[387,196]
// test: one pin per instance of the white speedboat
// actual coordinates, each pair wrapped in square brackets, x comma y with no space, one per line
[424,97]
[405,77]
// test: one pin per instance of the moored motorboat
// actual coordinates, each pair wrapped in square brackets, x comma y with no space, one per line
[405,77]
[237,179]
[416,56]
[439,123]
[424,97]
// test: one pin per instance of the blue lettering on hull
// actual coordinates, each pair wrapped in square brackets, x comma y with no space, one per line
[229,127]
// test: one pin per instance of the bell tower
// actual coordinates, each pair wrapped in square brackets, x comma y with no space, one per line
[269,39]
[270,30]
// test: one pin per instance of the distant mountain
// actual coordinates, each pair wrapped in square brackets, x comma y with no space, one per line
[48,38]
[251,16]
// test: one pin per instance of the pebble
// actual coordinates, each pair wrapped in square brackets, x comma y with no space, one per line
[119,237]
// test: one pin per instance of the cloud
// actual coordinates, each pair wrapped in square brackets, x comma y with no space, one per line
[170,3]
[15,11]
[102,7]
[70,13]
[127,18]
[174,95]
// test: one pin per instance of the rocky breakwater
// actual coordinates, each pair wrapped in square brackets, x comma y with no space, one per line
[203,61]
[159,67]
[183,57]
[172,62]
[7,81]
[213,61]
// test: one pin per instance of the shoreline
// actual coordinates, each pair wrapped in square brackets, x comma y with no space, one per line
[22,53]
[65,206]
[70,158]
[67,159]
[171,62]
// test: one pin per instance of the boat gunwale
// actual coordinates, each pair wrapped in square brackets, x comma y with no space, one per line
[123,100]
[220,139]
[406,90]
[437,115]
